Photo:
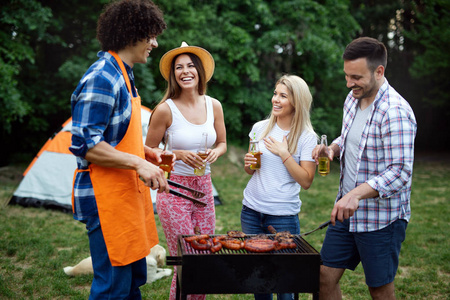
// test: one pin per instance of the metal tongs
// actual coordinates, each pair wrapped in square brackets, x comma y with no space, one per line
[321,226]
[196,194]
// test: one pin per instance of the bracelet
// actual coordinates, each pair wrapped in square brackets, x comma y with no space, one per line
[286,159]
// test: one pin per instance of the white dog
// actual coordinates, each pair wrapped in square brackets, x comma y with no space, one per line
[155,260]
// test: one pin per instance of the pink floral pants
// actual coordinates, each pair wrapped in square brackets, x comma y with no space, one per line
[180,216]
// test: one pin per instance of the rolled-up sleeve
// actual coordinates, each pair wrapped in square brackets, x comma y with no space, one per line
[92,107]
[398,133]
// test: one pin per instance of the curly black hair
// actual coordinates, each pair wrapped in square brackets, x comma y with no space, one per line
[126,22]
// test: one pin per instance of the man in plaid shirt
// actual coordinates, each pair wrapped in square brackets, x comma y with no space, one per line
[376,151]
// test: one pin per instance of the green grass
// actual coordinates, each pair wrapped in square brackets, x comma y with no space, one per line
[35,244]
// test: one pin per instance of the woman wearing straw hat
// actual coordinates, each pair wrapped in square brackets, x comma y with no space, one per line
[187,112]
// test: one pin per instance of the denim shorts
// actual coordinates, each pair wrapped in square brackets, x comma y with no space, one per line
[253,222]
[378,251]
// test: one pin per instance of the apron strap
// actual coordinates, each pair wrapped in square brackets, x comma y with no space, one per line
[124,71]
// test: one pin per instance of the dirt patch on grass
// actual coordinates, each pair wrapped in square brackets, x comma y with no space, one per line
[235,156]
[11,175]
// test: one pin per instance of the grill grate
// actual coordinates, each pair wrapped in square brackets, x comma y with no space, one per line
[242,272]
[302,247]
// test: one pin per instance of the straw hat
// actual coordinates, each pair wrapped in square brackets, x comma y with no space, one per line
[206,58]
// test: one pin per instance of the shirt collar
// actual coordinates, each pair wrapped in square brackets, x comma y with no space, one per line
[106,55]
[382,90]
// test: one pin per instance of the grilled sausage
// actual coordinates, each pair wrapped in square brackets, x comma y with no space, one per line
[236,234]
[197,230]
[259,245]
[218,238]
[284,245]
[232,243]
[271,229]
[191,238]
[216,246]
[202,244]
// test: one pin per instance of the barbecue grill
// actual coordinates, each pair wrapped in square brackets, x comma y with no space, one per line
[240,272]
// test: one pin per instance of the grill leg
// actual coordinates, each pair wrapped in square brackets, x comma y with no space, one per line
[179,295]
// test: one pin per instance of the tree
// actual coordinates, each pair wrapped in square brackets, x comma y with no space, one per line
[255,41]
[430,32]
[38,37]
[427,31]
[417,36]
[22,23]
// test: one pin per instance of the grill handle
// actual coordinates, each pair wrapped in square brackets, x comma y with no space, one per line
[174,260]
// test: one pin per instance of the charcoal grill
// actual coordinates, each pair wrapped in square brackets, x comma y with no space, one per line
[240,272]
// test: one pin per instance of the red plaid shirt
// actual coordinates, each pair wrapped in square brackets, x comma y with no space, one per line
[385,159]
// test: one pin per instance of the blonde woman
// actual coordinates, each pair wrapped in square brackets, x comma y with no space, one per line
[286,140]
[187,112]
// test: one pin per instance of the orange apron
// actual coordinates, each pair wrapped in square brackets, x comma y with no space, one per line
[124,203]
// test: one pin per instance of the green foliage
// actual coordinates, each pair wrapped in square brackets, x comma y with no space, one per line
[324,120]
[37,38]
[46,46]
[431,31]
[22,22]
[255,42]
[417,35]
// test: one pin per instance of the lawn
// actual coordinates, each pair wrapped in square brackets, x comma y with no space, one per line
[35,244]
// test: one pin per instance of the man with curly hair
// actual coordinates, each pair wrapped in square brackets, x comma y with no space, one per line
[111,194]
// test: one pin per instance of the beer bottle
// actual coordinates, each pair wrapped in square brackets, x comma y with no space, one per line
[203,153]
[324,161]
[167,155]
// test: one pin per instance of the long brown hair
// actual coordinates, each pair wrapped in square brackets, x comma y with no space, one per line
[173,90]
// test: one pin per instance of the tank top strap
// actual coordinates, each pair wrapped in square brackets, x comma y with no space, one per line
[171,104]
[176,113]
[209,110]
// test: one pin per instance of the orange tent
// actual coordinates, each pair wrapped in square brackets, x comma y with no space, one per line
[48,180]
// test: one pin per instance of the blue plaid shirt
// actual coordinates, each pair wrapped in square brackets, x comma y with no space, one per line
[101,111]
[385,159]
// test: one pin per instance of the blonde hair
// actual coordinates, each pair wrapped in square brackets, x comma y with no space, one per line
[300,98]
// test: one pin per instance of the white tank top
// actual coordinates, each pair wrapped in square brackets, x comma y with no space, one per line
[187,136]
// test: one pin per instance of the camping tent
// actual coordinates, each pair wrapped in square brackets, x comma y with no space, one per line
[48,180]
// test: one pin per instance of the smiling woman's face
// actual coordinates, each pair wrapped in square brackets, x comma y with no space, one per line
[281,106]
[185,72]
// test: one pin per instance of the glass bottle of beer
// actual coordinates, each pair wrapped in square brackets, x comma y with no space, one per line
[254,150]
[324,161]
[167,155]
[203,153]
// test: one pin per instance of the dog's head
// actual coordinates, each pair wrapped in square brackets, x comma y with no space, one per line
[159,253]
